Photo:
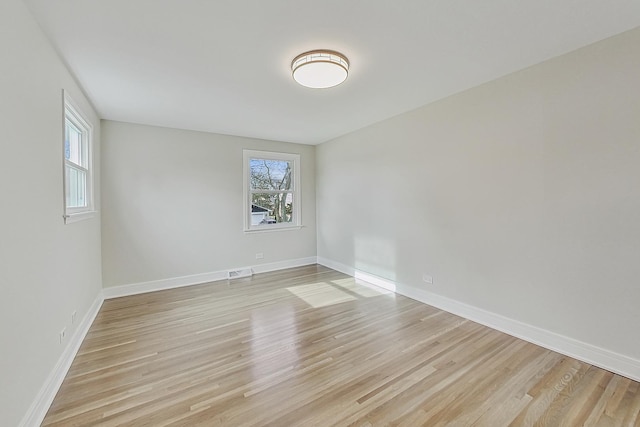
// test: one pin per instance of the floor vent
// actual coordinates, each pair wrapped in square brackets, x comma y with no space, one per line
[236,274]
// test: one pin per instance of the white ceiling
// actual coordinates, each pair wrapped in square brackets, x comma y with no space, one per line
[223,66]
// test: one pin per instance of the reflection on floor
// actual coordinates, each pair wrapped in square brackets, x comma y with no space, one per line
[310,346]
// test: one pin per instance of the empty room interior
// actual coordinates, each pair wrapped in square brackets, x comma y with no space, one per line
[320,213]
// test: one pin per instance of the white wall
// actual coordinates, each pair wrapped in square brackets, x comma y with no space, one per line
[520,197]
[47,269]
[172,205]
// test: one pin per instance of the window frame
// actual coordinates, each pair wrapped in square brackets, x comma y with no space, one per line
[296,218]
[74,115]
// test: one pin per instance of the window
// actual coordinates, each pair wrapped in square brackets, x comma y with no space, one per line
[271,190]
[78,183]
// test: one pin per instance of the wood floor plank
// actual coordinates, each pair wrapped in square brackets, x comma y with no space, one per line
[310,346]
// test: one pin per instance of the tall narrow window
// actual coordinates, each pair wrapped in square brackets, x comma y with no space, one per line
[78,191]
[272,190]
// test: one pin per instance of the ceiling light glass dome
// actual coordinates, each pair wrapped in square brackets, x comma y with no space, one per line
[320,69]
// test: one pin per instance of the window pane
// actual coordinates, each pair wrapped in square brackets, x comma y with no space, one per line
[76,187]
[73,150]
[271,208]
[271,174]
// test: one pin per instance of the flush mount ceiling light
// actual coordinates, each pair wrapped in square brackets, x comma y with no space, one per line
[320,69]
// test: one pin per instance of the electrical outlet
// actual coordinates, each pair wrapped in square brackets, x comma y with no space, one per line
[427,279]
[73,317]
[259,255]
[63,333]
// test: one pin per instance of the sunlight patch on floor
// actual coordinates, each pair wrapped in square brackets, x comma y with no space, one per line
[320,294]
[323,294]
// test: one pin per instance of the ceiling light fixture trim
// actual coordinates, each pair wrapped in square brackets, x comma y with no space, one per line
[320,69]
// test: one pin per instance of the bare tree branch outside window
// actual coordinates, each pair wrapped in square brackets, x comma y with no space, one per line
[274,178]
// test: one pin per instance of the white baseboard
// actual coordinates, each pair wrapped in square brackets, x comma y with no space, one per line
[162,284]
[38,409]
[594,355]
[274,266]
[196,279]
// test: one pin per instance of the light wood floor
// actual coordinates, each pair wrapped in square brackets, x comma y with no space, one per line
[309,346]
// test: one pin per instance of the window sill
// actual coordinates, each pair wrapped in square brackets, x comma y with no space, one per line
[268,229]
[80,216]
